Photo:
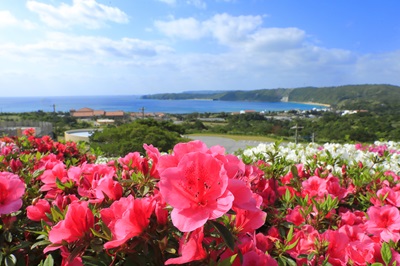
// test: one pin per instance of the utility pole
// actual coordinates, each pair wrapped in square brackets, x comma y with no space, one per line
[55,123]
[296,133]
[142,109]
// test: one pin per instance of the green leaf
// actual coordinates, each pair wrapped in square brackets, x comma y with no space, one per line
[290,234]
[294,171]
[49,261]
[8,236]
[41,243]
[59,184]
[226,234]
[386,253]
[228,261]
[292,245]
[10,260]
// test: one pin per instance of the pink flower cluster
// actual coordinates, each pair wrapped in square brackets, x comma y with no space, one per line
[195,204]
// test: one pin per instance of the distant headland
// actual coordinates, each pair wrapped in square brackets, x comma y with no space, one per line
[338,96]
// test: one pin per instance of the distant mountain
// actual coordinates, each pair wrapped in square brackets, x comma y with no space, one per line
[361,96]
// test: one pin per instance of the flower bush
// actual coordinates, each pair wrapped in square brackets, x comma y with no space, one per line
[275,204]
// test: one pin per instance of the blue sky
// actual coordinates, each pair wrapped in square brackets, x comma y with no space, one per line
[101,47]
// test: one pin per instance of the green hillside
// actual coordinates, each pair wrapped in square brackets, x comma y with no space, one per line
[360,96]
[348,95]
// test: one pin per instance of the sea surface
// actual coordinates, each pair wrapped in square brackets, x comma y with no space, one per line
[133,103]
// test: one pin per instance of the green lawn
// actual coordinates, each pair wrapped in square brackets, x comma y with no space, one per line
[236,137]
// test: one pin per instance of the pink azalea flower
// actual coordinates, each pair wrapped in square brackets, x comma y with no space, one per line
[37,211]
[351,218]
[29,132]
[385,222]
[391,196]
[63,201]
[264,242]
[179,151]
[197,189]
[91,175]
[50,176]
[153,153]
[190,248]
[333,187]
[47,162]
[74,173]
[16,165]
[360,248]
[66,259]
[11,191]
[257,257]
[160,208]
[76,225]
[127,218]
[314,187]
[107,186]
[338,242]
[132,161]
[247,221]
[307,238]
[243,195]
[294,216]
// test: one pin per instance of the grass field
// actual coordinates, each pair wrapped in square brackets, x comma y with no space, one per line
[236,137]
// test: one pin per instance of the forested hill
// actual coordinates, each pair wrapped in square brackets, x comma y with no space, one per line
[341,96]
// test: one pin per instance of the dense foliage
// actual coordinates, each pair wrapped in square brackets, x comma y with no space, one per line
[120,140]
[273,204]
[324,127]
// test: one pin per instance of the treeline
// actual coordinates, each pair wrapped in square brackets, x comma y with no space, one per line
[368,95]
[323,127]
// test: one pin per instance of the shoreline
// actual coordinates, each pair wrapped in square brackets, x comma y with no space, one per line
[312,103]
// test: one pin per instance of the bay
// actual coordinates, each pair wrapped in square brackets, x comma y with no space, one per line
[133,103]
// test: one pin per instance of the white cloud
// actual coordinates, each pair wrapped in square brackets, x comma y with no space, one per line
[185,28]
[273,39]
[229,30]
[7,19]
[223,27]
[88,13]
[239,32]
[88,49]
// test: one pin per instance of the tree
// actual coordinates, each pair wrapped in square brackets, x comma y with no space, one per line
[119,141]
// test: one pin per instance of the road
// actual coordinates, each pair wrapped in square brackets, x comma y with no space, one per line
[230,145]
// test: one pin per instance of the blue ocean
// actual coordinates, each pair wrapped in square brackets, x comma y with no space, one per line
[132,103]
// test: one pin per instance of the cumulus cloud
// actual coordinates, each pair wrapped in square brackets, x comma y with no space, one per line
[223,27]
[257,54]
[238,32]
[7,19]
[87,13]
[185,28]
[83,48]
[229,30]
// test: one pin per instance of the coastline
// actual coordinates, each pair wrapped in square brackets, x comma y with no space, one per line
[312,103]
